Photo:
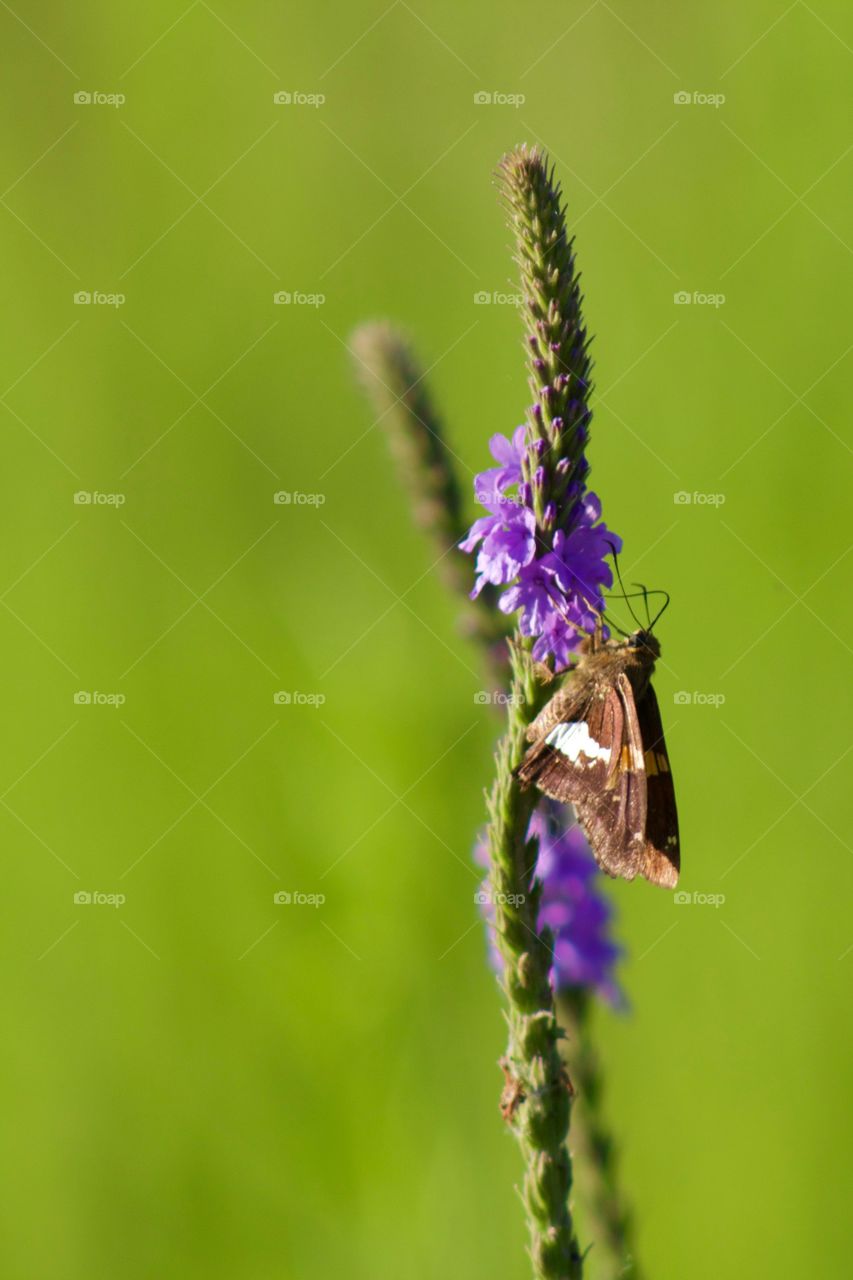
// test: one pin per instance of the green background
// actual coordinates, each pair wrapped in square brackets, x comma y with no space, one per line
[200,1082]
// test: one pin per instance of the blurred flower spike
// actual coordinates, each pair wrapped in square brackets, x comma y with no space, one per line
[571,906]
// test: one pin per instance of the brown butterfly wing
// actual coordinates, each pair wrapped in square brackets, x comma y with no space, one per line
[576,758]
[661,858]
[614,818]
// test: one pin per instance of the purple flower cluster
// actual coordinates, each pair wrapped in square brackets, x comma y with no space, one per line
[555,566]
[571,906]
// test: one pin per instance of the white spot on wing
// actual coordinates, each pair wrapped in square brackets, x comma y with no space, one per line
[573,740]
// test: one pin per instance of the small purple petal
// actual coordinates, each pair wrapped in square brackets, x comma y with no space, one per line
[477,531]
[508,544]
[571,906]
[532,594]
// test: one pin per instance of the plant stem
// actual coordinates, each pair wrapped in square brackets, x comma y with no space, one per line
[605,1213]
[394,381]
[537,1097]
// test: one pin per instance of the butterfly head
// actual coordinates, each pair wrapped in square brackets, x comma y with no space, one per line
[643,640]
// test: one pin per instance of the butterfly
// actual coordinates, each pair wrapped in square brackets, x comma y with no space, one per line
[598,744]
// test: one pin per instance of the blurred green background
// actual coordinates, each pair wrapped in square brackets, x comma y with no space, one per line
[201,1082]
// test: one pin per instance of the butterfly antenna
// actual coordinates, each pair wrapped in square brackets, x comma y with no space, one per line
[645,594]
[625,595]
[662,609]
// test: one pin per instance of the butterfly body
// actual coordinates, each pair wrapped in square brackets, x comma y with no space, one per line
[598,744]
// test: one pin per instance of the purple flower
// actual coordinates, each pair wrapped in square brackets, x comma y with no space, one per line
[578,563]
[571,906]
[508,538]
[557,639]
[489,485]
[534,594]
[555,567]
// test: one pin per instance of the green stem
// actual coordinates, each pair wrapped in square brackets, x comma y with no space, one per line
[605,1213]
[394,381]
[537,1097]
